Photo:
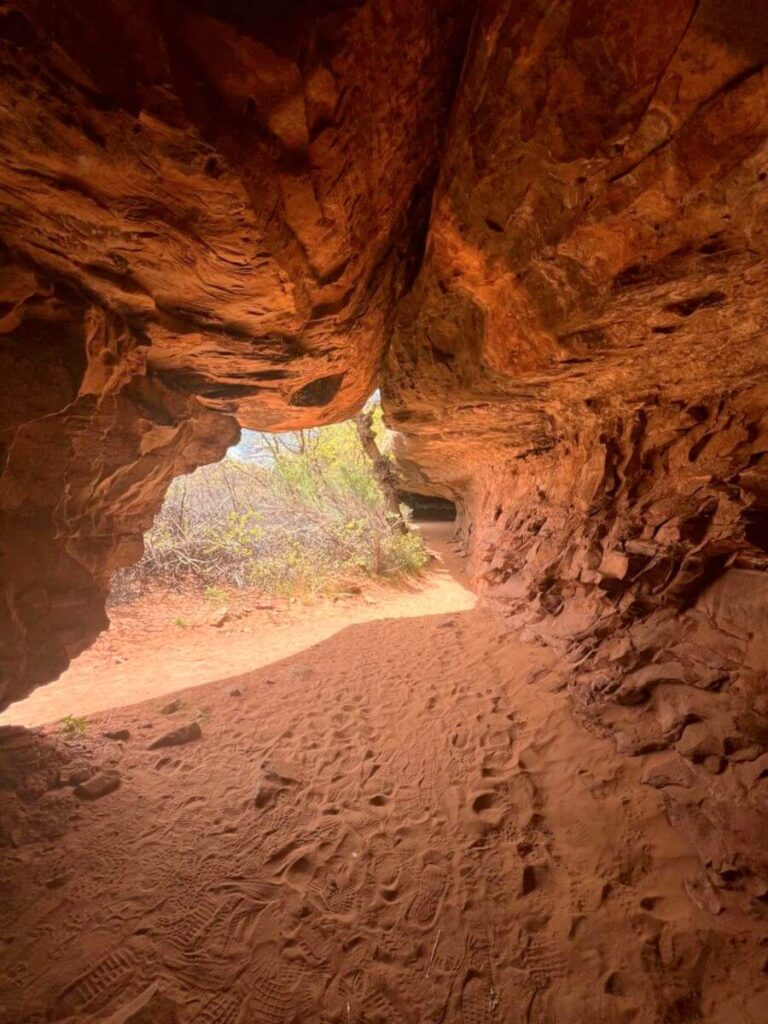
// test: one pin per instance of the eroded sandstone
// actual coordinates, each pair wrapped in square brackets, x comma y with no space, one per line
[541,228]
[207,213]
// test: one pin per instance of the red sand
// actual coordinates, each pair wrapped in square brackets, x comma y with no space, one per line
[401,823]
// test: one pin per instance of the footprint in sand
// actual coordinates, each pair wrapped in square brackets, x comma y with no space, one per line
[96,987]
[478,1000]
[431,885]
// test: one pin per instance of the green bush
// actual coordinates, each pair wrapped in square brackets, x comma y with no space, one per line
[303,515]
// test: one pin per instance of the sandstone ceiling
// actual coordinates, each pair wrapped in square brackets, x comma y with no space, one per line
[540,227]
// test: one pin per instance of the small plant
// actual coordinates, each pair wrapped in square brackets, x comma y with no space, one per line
[72,725]
[215,595]
[180,623]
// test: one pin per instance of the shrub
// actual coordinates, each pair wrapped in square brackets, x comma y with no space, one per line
[304,513]
[72,725]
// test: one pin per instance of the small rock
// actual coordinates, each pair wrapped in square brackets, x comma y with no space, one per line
[98,785]
[676,707]
[703,895]
[614,564]
[265,795]
[619,649]
[714,764]
[278,771]
[219,617]
[171,708]
[671,771]
[118,734]
[174,738]
[77,776]
[236,692]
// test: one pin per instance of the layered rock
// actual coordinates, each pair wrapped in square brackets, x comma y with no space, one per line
[544,237]
[208,210]
[582,366]
[582,361]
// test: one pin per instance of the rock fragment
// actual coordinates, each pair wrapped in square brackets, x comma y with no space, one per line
[174,738]
[98,785]
[118,734]
[76,775]
[671,771]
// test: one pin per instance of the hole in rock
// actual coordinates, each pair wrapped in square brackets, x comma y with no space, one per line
[308,774]
[288,540]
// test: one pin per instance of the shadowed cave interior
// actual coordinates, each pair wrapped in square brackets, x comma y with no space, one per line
[540,229]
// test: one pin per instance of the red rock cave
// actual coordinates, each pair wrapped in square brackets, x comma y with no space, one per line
[541,229]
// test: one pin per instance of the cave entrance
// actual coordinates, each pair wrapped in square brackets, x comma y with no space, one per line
[287,540]
[428,508]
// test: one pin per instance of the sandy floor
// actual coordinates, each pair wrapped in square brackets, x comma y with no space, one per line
[401,824]
[131,663]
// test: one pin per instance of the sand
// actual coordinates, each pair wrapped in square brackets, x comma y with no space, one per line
[402,822]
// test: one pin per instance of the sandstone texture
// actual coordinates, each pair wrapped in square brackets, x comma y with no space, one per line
[540,228]
[207,211]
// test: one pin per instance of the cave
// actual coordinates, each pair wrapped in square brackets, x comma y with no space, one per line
[428,507]
[540,230]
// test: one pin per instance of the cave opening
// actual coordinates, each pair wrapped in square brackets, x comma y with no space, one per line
[532,778]
[287,539]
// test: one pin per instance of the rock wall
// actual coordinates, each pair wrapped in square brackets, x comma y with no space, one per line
[582,365]
[540,227]
[582,359]
[208,211]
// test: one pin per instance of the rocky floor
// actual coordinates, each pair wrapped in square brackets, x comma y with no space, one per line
[404,823]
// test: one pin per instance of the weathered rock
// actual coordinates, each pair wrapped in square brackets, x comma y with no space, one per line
[202,226]
[541,229]
[278,771]
[98,785]
[171,707]
[118,734]
[636,686]
[669,771]
[76,774]
[174,738]
[698,742]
